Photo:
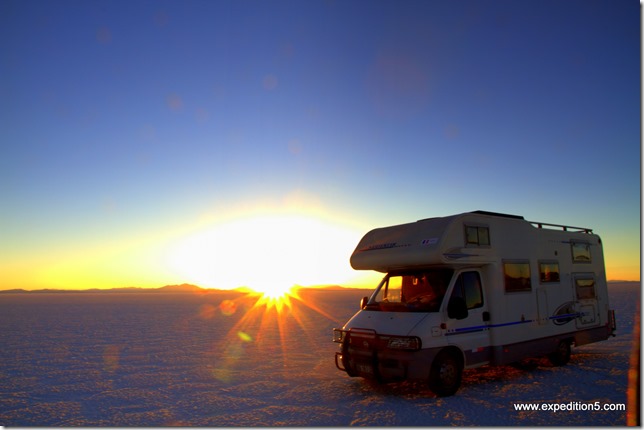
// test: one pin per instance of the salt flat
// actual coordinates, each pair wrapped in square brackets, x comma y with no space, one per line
[215,359]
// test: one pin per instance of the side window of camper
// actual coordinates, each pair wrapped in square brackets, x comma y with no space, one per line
[580,252]
[468,287]
[548,272]
[585,288]
[517,276]
[477,235]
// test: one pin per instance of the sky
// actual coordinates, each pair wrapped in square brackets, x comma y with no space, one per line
[238,143]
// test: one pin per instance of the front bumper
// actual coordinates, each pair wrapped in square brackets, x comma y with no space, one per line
[368,354]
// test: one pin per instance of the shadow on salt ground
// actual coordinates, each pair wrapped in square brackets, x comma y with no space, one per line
[489,394]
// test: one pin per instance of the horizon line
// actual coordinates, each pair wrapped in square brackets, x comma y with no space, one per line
[186,287]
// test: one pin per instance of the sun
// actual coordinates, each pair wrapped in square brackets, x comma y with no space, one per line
[276,292]
[269,253]
[278,298]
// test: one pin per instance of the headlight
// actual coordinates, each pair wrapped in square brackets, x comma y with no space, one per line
[338,335]
[409,343]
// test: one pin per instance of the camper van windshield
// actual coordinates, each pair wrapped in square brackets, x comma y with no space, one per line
[417,291]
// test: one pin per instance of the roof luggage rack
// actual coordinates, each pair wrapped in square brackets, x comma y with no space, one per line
[538,224]
[534,223]
[563,227]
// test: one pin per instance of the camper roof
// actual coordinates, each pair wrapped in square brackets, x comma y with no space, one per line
[441,240]
[479,212]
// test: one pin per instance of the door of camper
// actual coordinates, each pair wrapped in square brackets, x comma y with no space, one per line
[585,299]
[467,318]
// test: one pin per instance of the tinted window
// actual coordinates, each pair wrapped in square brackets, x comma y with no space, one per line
[417,291]
[548,272]
[475,235]
[468,287]
[517,276]
[580,252]
[585,288]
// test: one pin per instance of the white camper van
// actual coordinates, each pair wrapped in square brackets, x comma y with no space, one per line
[473,289]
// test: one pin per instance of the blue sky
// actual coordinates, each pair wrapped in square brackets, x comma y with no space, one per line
[126,125]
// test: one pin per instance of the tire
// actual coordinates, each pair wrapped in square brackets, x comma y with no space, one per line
[561,356]
[445,374]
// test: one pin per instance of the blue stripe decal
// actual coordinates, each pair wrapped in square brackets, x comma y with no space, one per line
[483,327]
[575,315]
[477,328]
[512,323]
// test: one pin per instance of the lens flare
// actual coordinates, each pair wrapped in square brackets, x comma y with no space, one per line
[228,307]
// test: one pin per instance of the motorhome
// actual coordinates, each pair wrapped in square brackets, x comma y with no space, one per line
[473,289]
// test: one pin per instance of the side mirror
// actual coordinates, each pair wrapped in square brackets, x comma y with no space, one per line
[457,308]
[363,302]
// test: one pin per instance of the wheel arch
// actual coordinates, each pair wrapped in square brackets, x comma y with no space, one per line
[454,351]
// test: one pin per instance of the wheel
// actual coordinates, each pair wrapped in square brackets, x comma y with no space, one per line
[445,374]
[561,356]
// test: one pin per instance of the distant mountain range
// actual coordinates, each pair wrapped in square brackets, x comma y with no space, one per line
[183,288]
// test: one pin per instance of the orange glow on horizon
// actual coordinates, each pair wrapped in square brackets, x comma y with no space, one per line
[267,248]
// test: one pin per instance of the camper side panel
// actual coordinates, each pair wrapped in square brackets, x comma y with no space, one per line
[552,290]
